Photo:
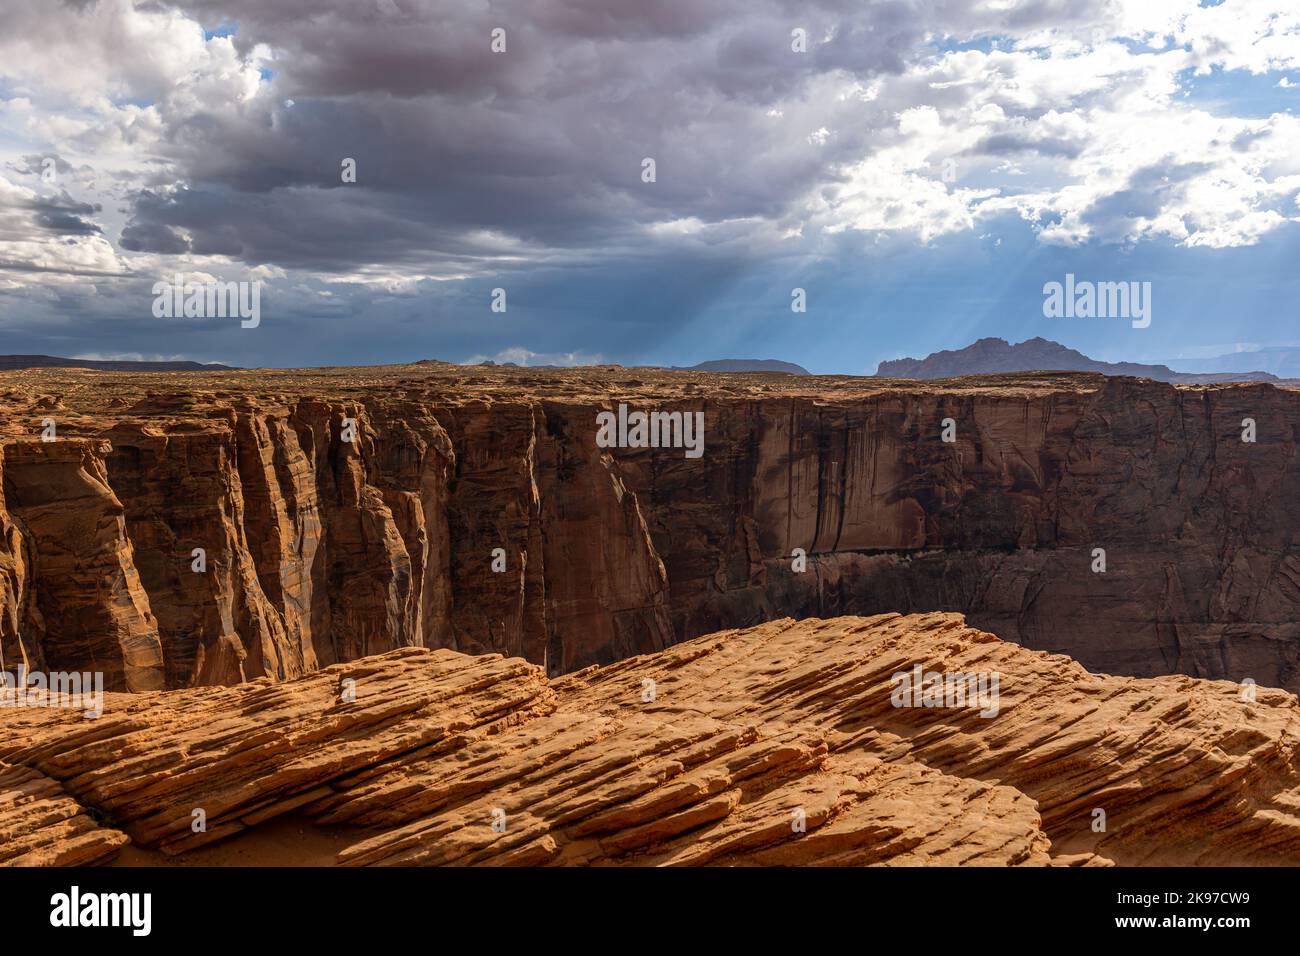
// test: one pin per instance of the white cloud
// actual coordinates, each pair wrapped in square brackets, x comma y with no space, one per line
[517,355]
[1075,119]
[1085,141]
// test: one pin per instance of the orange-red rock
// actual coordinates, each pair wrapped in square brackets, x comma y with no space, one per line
[774,744]
[322,550]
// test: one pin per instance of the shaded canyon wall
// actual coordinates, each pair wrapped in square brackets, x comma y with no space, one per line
[318,550]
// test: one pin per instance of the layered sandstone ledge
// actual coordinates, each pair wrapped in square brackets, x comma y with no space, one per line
[705,753]
[319,550]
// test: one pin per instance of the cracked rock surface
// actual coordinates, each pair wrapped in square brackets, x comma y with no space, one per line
[776,744]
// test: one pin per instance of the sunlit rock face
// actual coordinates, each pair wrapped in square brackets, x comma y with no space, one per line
[788,743]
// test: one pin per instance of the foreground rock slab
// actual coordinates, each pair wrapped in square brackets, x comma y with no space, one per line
[40,825]
[777,744]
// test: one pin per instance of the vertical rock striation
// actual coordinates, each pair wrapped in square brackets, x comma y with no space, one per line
[89,609]
[473,509]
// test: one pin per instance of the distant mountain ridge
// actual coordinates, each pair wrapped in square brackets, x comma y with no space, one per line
[15,362]
[1280,360]
[992,355]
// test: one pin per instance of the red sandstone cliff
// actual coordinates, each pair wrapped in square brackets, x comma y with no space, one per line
[320,550]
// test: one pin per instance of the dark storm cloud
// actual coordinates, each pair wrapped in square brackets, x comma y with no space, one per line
[65,215]
[153,237]
[23,214]
[458,147]
[65,223]
[542,144]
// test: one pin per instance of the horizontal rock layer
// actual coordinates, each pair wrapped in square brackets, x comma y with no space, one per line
[778,744]
[472,509]
[40,825]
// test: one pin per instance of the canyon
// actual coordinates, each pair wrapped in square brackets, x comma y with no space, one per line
[475,512]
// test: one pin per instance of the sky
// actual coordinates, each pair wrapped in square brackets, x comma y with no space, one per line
[919,168]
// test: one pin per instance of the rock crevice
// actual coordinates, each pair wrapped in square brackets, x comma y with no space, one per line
[321,550]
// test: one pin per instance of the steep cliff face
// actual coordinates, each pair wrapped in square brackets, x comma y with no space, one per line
[348,512]
[1199,529]
[82,605]
[185,516]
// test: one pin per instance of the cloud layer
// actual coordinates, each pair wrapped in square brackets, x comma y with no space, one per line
[138,140]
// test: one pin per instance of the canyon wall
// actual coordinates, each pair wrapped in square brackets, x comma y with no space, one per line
[343,513]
